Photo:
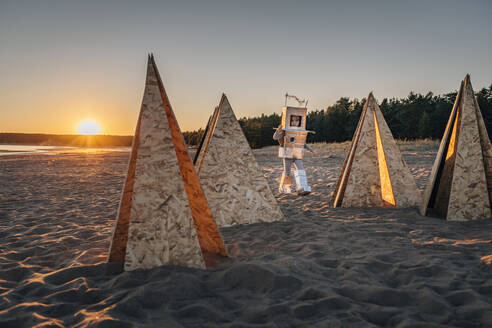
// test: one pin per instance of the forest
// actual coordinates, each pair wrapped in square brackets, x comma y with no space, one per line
[415,117]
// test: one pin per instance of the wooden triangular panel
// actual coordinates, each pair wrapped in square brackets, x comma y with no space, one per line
[347,164]
[363,186]
[374,173]
[404,188]
[207,136]
[460,182]
[163,216]
[234,184]
[486,149]
[429,202]
[198,154]
[119,240]
[387,193]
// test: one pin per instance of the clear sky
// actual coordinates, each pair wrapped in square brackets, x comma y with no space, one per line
[64,61]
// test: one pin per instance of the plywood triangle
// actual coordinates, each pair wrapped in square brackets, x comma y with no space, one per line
[234,184]
[373,173]
[163,216]
[460,184]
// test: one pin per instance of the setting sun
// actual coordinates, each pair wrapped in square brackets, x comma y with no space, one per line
[88,127]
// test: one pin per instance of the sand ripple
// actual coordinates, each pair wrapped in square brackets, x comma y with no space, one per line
[323,267]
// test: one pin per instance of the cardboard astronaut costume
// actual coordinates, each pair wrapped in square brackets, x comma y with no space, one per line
[292,134]
[293,123]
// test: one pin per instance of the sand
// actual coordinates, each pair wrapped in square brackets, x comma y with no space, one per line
[323,267]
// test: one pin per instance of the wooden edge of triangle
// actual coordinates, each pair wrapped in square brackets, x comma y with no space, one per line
[486,147]
[202,141]
[386,183]
[436,167]
[207,232]
[339,192]
[398,188]
[117,248]
[207,137]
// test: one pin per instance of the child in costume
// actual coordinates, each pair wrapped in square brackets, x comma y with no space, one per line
[291,134]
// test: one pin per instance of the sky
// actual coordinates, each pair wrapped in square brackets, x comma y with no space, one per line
[65,61]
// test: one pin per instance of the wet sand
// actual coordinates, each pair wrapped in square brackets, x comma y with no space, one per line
[322,267]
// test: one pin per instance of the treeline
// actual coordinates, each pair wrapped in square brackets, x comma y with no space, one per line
[414,117]
[193,138]
[66,140]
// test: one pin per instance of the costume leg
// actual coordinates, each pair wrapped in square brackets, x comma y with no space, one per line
[285,180]
[298,164]
[301,179]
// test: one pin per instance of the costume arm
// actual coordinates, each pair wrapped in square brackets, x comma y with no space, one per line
[308,147]
[279,133]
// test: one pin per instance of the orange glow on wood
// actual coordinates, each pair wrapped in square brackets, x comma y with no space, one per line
[386,188]
[120,235]
[208,234]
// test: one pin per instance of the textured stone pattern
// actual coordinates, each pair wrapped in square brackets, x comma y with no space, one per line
[234,185]
[363,186]
[469,199]
[405,191]
[161,227]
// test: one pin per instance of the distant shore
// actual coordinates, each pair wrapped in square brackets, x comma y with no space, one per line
[65,140]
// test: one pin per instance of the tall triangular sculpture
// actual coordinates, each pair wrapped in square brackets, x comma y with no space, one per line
[163,216]
[374,173]
[460,184]
[234,185]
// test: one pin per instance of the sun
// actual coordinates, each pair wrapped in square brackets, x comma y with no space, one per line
[88,127]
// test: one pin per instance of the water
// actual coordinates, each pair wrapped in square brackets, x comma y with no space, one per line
[6,150]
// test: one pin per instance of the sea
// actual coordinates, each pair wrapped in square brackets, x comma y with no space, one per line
[8,150]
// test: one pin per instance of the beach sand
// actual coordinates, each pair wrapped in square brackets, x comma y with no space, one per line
[322,267]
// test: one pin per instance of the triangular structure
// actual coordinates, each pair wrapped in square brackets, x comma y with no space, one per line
[374,173]
[234,185]
[163,216]
[460,184]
